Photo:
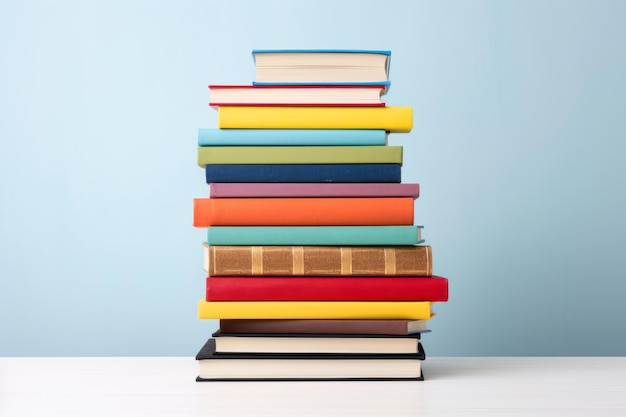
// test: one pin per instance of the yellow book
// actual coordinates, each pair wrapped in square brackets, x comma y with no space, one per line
[413,310]
[397,119]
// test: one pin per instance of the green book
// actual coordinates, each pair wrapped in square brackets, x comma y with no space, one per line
[224,155]
[314,235]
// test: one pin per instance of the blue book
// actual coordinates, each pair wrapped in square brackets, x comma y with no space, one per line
[314,235]
[322,67]
[303,173]
[287,137]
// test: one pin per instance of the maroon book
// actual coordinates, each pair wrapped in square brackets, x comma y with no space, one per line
[234,190]
[322,326]
[297,95]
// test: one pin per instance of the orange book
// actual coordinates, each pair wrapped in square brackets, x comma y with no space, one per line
[317,211]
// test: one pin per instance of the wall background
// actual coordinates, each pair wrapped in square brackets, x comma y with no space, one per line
[519,146]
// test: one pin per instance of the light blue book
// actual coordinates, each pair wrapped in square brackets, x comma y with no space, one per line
[345,63]
[314,235]
[288,137]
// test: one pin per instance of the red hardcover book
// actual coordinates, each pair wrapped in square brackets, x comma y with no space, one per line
[296,95]
[433,288]
[331,211]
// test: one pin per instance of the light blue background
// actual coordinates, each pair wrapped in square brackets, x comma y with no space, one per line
[519,144]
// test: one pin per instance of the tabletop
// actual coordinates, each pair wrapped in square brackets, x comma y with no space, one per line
[453,386]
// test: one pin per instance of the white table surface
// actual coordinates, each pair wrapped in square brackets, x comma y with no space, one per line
[562,386]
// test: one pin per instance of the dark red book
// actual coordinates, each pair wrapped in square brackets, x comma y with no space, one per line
[322,326]
[296,95]
[265,288]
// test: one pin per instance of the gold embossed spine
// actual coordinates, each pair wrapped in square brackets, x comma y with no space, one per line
[319,260]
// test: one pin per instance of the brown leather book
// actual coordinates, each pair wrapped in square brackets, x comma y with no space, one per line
[408,260]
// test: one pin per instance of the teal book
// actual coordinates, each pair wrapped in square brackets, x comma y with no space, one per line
[291,137]
[314,235]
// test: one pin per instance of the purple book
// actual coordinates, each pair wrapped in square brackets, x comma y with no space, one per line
[283,189]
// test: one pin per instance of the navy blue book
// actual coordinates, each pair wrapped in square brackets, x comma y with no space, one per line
[303,173]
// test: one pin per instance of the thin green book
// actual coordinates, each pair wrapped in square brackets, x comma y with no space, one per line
[211,155]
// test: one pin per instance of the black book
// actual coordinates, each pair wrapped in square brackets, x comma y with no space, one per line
[307,367]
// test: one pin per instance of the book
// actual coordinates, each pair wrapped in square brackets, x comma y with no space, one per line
[325,66]
[268,189]
[291,137]
[299,155]
[333,326]
[414,260]
[296,95]
[314,343]
[314,235]
[213,366]
[353,288]
[384,173]
[396,119]
[314,309]
[303,211]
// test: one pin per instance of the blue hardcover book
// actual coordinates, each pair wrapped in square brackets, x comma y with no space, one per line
[314,235]
[287,137]
[322,66]
[303,173]
[387,84]
[387,53]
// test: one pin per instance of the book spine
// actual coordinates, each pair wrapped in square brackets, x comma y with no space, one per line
[265,288]
[296,104]
[352,173]
[318,260]
[314,235]
[256,189]
[395,119]
[302,211]
[336,326]
[299,155]
[301,137]
[386,84]
[314,309]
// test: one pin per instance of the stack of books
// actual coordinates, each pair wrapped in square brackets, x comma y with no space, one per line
[315,268]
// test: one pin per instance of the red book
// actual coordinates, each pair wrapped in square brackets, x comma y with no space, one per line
[314,211]
[433,288]
[296,95]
